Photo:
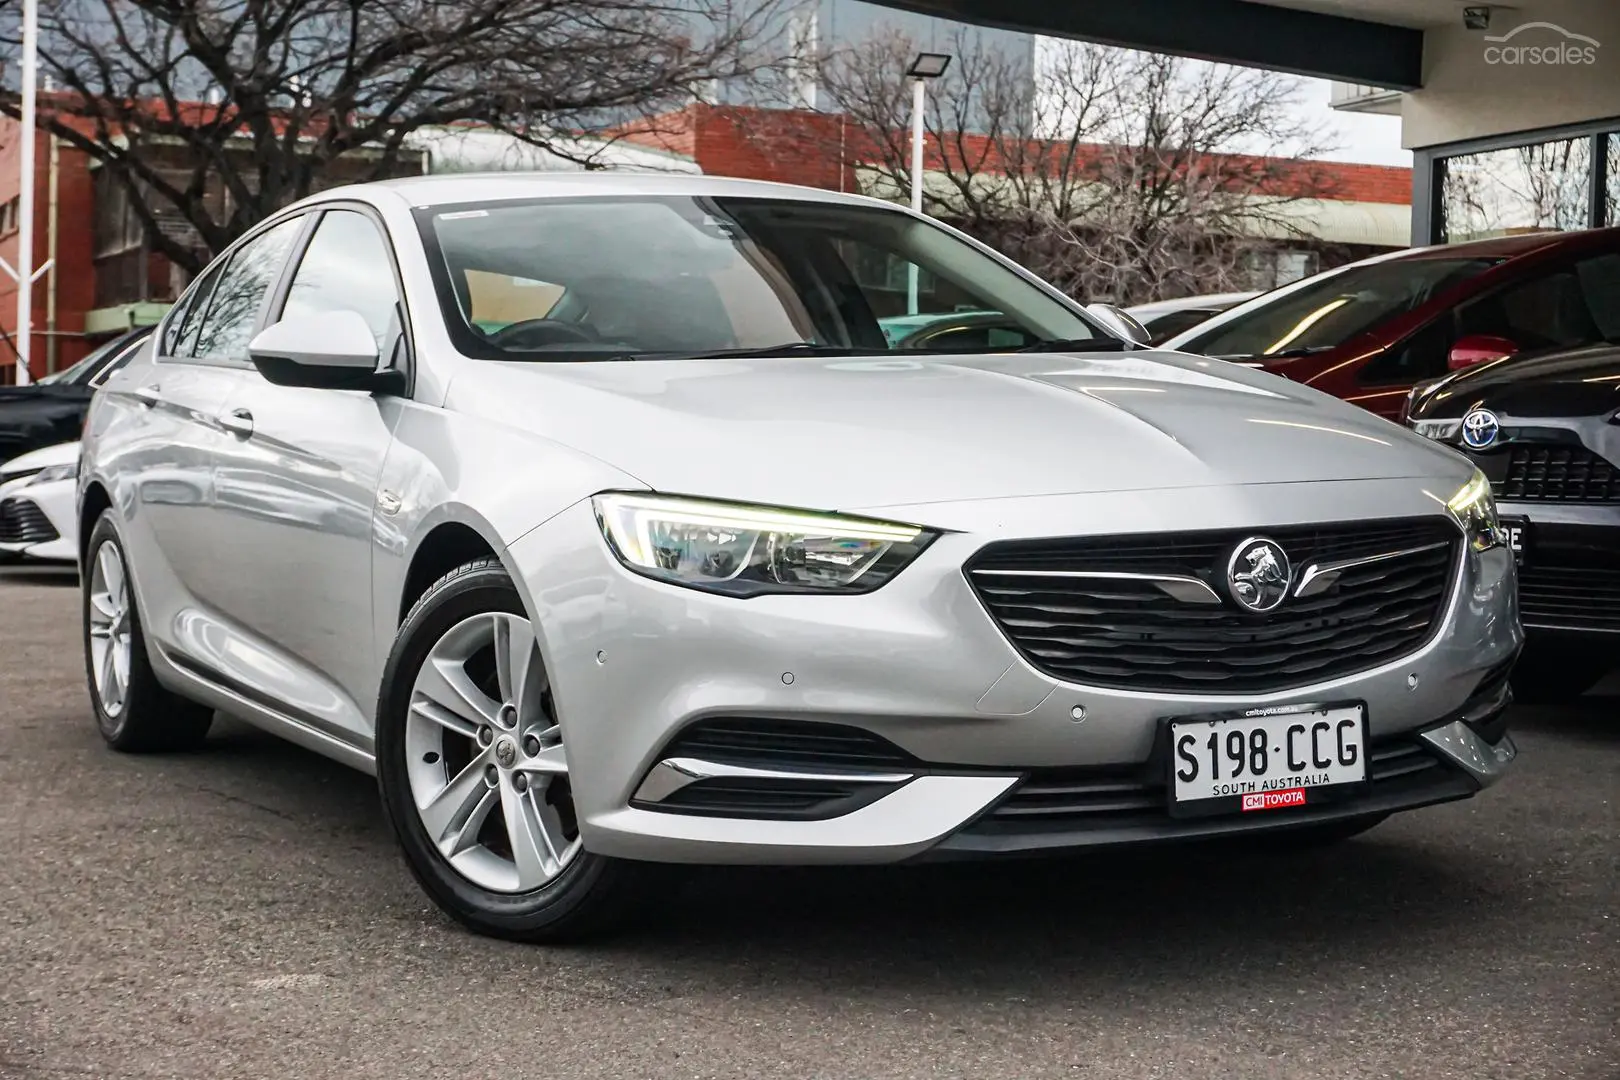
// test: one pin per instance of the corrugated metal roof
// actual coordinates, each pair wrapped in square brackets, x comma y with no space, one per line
[480,150]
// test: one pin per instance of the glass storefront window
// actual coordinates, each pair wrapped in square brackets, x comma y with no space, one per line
[1545,187]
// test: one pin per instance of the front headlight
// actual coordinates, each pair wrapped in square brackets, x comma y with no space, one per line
[55,472]
[1475,509]
[744,550]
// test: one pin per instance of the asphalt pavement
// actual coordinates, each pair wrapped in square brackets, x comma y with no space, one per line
[242,912]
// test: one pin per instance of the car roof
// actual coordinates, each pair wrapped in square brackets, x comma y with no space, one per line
[443,190]
[1510,247]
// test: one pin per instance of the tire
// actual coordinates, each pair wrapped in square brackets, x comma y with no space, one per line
[453,766]
[1549,675]
[134,713]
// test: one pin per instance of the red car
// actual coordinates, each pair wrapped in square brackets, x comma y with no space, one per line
[1370,331]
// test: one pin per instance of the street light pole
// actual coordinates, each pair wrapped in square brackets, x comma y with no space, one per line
[24,272]
[926,66]
[919,99]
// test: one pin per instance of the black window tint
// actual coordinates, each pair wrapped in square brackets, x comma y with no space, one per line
[1422,355]
[1600,283]
[233,308]
[1560,308]
[346,268]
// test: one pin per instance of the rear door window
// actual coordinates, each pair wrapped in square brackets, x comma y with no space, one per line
[234,304]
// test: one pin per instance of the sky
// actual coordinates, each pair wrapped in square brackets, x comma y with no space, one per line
[1371,139]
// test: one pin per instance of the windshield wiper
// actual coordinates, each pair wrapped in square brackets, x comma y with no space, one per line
[1097,344]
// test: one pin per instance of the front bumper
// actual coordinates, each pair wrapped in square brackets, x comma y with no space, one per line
[1570,584]
[919,664]
[38,521]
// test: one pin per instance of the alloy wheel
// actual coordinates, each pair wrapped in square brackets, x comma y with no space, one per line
[485,760]
[110,630]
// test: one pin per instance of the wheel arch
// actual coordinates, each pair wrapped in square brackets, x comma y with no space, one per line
[92,504]
[443,547]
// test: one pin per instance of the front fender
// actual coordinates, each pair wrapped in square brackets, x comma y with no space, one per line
[439,470]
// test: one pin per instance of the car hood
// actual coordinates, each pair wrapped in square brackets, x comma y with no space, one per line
[34,460]
[1575,382]
[870,432]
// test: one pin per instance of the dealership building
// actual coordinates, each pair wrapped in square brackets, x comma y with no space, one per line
[1513,113]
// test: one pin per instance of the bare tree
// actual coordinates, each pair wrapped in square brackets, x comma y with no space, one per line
[214,113]
[1117,175]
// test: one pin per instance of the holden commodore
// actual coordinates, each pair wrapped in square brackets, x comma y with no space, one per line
[597,517]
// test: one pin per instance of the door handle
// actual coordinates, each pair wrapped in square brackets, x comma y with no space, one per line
[149,395]
[238,422]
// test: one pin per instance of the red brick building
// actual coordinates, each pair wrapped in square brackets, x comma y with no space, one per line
[63,208]
[105,277]
[822,150]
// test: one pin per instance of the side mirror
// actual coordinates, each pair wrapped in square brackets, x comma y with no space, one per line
[331,350]
[1471,349]
[1120,322]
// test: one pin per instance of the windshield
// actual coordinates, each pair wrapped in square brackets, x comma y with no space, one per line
[628,277]
[1332,308]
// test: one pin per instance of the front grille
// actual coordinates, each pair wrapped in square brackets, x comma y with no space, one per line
[1569,597]
[736,740]
[1558,474]
[1130,635]
[23,522]
[1136,794]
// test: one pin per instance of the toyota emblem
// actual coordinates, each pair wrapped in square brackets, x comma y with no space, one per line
[1480,429]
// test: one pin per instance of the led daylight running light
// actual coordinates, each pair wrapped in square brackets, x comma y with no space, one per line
[761,519]
[1475,510]
[1470,494]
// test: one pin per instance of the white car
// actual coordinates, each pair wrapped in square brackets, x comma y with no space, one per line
[38,505]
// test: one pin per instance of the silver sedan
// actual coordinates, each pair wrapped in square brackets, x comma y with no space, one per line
[595,516]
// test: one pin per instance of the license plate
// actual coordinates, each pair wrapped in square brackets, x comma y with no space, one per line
[1518,537]
[1266,761]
